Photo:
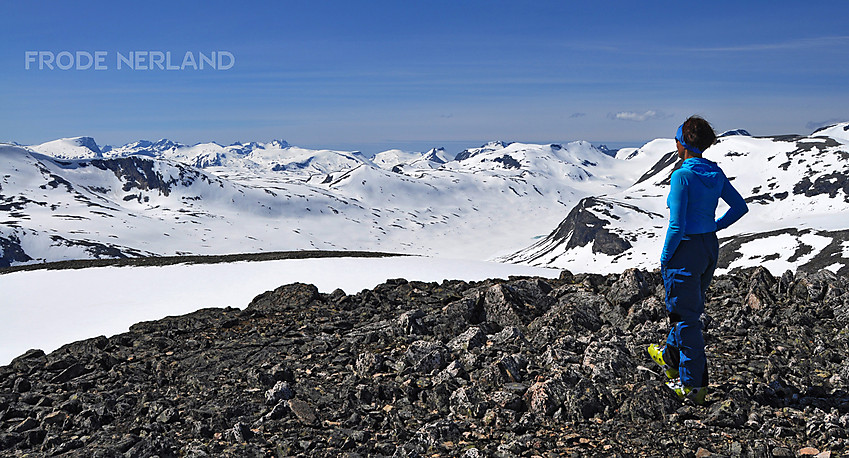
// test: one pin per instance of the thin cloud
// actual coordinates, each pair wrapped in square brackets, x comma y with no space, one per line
[805,43]
[637,117]
[578,115]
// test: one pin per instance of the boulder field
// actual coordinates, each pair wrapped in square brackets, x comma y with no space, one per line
[500,368]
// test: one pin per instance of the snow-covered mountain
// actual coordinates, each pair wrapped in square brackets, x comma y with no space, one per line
[397,160]
[143,199]
[142,148]
[70,148]
[568,206]
[797,189]
[252,158]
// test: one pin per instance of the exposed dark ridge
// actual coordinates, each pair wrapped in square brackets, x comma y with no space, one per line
[582,226]
[195,259]
[664,162]
[781,138]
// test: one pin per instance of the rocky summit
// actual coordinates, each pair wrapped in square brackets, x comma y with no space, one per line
[501,368]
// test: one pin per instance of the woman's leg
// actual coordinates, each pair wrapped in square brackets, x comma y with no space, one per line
[683,281]
[686,337]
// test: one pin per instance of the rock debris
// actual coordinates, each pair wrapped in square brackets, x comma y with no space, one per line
[521,367]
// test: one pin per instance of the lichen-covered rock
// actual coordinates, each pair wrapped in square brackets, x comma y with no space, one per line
[369,364]
[608,360]
[470,339]
[631,286]
[761,287]
[425,356]
[502,306]
[280,392]
[574,313]
[545,397]
[292,296]
[411,322]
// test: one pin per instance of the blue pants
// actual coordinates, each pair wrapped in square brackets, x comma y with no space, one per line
[686,278]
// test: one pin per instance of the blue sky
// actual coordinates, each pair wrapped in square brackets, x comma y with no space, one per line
[414,75]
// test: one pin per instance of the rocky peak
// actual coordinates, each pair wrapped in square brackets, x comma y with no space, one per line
[491,146]
[435,155]
[731,133]
[516,367]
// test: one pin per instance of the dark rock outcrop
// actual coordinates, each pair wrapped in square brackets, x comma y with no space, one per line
[581,227]
[517,367]
[11,251]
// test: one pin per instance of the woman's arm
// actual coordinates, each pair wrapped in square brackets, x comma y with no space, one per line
[737,204]
[677,202]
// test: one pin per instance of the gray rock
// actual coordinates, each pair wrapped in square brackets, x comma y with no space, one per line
[473,453]
[456,370]
[468,401]
[425,356]
[281,391]
[761,286]
[509,335]
[586,400]
[500,305]
[608,361]
[411,322]
[547,396]
[438,432]
[369,364]
[240,433]
[574,314]
[470,339]
[630,287]
[287,297]
[508,400]
[512,367]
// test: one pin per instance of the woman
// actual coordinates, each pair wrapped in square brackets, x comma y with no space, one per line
[689,256]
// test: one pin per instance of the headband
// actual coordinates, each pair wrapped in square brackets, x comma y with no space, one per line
[680,137]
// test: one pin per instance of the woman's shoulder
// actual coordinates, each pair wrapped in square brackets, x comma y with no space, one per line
[682,172]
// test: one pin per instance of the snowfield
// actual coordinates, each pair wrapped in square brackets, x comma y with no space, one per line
[49,308]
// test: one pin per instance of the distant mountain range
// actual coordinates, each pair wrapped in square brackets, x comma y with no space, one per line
[569,206]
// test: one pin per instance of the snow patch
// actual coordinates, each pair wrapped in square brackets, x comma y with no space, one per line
[78,304]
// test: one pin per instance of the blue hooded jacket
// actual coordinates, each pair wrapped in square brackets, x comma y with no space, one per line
[693,196]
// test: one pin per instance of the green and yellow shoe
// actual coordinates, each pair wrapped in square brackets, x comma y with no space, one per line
[656,354]
[688,393]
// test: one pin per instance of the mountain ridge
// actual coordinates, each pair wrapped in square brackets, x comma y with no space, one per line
[284,200]
[497,201]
